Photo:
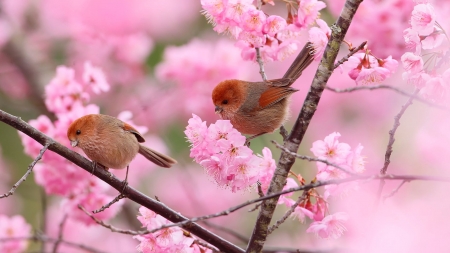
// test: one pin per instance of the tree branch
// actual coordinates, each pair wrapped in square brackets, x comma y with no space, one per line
[29,170]
[128,191]
[354,51]
[390,87]
[305,188]
[387,156]
[42,238]
[323,73]
[313,159]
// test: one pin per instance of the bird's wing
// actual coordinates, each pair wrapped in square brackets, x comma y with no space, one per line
[274,94]
[132,130]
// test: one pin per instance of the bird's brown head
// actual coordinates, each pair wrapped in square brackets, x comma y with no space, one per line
[228,96]
[80,128]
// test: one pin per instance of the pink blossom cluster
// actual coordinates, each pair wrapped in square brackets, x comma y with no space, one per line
[172,239]
[426,39]
[342,155]
[14,227]
[221,150]
[319,37]
[366,69]
[275,36]
[68,99]
[379,22]
[194,69]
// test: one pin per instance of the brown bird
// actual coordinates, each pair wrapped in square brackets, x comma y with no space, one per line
[257,108]
[111,142]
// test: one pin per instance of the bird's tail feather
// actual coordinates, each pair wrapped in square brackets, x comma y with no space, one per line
[156,157]
[304,58]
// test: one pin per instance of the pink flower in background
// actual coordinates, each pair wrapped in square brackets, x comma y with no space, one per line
[412,40]
[436,89]
[319,36]
[170,239]
[330,148]
[253,21]
[330,226]
[423,18]
[308,11]
[14,227]
[268,166]
[366,69]
[273,25]
[433,40]
[412,63]
[95,78]
[290,183]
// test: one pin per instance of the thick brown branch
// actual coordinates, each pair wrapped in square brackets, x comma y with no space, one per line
[128,191]
[323,73]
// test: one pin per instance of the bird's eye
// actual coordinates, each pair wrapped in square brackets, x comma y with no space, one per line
[78,132]
[225,102]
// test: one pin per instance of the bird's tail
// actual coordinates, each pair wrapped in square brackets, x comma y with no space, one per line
[156,157]
[304,58]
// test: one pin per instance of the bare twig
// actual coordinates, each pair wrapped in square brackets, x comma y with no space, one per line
[255,207]
[60,234]
[116,199]
[42,238]
[395,190]
[313,159]
[112,228]
[390,87]
[389,150]
[261,64]
[205,245]
[226,230]
[260,191]
[354,51]
[29,170]
[304,188]
[287,214]
[130,192]
[284,133]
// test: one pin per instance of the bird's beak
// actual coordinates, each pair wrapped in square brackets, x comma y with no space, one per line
[218,109]
[73,143]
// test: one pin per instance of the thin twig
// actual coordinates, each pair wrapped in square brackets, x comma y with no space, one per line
[391,141]
[60,234]
[116,199]
[383,86]
[254,208]
[205,245]
[287,214]
[284,133]
[226,230]
[112,228]
[395,190]
[312,159]
[29,170]
[354,51]
[304,188]
[260,191]
[261,64]
[42,238]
